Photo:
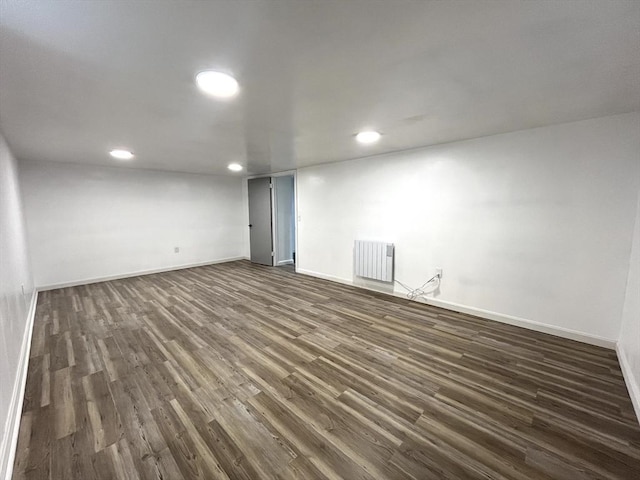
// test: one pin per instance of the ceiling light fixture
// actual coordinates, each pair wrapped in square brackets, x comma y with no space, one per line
[121,154]
[368,137]
[234,167]
[217,84]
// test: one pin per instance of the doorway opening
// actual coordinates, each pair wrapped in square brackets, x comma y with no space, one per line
[285,220]
[272,220]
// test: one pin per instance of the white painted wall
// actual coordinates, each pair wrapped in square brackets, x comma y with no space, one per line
[629,344]
[532,227]
[15,306]
[87,223]
[285,221]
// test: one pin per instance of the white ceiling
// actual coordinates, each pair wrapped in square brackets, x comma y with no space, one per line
[80,78]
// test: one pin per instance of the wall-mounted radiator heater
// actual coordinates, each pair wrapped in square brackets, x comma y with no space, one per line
[374,260]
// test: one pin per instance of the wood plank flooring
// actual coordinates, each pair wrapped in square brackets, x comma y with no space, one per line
[237,371]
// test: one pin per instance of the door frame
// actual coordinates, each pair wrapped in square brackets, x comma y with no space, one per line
[284,173]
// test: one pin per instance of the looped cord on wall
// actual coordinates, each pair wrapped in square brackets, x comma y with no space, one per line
[414,293]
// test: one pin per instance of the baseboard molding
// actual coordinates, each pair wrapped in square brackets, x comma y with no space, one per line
[86,281]
[324,276]
[630,380]
[12,426]
[529,324]
[285,262]
[489,315]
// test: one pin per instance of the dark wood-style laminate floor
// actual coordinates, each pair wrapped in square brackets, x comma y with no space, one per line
[236,371]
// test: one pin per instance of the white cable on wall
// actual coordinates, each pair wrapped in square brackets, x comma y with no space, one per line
[414,293]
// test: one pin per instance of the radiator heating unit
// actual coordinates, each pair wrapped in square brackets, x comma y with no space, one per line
[373,260]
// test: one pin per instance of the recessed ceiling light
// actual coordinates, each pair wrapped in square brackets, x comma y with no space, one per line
[368,137]
[121,154]
[217,84]
[234,167]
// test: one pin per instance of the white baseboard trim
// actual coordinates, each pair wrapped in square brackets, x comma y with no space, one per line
[629,379]
[86,281]
[324,276]
[478,312]
[525,323]
[12,426]
[285,262]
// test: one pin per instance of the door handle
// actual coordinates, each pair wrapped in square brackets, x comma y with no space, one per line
[250,225]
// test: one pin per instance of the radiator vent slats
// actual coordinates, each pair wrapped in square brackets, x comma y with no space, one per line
[374,260]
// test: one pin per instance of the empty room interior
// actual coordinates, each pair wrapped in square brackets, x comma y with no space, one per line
[340,239]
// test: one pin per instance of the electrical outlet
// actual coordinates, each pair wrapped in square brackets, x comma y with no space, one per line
[439,272]
[176,250]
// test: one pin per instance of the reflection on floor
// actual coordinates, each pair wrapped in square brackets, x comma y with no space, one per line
[241,371]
